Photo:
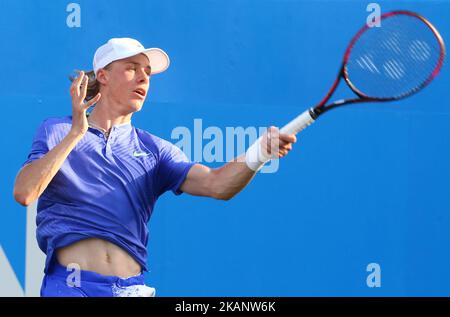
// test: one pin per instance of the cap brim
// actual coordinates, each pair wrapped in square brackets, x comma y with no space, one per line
[159,60]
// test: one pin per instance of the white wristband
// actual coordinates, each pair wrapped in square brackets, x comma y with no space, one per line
[254,157]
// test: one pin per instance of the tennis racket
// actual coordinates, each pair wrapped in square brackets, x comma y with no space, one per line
[385,63]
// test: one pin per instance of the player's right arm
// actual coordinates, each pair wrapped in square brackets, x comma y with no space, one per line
[33,178]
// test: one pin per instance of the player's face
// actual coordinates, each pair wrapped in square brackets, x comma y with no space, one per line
[129,81]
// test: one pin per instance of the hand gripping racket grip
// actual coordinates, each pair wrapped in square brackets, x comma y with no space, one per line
[299,123]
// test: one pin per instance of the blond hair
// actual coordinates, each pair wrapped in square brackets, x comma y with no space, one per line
[93,86]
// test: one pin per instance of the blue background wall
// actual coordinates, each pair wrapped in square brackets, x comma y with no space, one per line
[365,184]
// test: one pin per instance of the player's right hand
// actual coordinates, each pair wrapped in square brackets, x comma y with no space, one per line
[78,91]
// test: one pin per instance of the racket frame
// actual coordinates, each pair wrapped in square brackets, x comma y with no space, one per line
[309,116]
[321,107]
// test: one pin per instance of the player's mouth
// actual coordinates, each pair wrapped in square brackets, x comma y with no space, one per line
[140,92]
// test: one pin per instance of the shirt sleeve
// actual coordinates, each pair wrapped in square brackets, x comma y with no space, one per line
[173,168]
[39,146]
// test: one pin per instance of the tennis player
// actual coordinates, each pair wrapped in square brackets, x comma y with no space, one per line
[98,177]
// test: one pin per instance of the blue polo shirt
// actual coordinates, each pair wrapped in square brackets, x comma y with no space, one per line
[106,188]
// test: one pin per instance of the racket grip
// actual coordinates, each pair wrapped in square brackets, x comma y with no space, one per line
[299,123]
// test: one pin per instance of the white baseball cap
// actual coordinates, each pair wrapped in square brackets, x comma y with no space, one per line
[120,48]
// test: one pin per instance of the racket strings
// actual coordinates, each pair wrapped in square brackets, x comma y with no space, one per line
[394,60]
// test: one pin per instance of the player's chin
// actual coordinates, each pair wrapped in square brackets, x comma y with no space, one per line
[136,105]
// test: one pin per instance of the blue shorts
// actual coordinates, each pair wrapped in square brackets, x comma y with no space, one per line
[68,282]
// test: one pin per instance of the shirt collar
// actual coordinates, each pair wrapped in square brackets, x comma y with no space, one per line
[116,128]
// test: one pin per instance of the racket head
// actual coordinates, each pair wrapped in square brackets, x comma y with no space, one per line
[395,60]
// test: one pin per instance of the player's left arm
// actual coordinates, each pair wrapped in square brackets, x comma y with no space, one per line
[225,182]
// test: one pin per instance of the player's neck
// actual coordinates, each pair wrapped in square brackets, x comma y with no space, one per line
[103,116]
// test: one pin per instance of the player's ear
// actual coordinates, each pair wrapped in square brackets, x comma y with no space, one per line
[102,76]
